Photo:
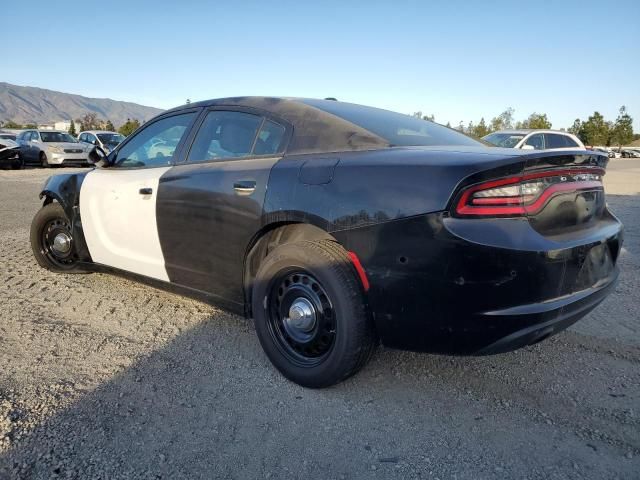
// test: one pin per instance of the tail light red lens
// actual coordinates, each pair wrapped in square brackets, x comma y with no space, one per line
[525,194]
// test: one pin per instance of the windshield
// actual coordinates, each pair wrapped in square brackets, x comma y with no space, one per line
[506,140]
[57,137]
[110,138]
[396,128]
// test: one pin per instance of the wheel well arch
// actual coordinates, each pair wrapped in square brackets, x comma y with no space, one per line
[268,238]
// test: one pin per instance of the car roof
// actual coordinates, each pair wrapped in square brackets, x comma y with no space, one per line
[97,131]
[527,131]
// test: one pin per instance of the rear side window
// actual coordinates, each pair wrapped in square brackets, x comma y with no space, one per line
[553,140]
[396,128]
[226,134]
[269,139]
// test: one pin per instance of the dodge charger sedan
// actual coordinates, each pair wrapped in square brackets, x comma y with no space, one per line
[338,226]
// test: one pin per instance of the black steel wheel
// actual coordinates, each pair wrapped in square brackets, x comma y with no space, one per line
[301,317]
[310,312]
[52,239]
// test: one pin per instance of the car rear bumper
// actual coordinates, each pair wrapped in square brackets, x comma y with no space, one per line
[445,285]
[541,320]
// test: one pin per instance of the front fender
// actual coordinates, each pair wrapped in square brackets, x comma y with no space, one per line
[65,189]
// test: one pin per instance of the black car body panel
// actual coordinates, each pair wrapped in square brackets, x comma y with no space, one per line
[438,281]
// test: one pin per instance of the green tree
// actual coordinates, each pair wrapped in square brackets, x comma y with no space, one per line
[595,130]
[11,124]
[576,127]
[30,125]
[480,130]
[90,121]
[503,121]
[622,131]
[129,127]
[72,128]
[535,120]
[109,126]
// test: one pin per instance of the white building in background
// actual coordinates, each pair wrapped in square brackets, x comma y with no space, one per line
[61,125]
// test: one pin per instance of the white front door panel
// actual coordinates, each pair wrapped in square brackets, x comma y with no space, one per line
[119,223]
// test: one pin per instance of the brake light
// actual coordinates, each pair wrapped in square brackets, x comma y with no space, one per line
[524,194]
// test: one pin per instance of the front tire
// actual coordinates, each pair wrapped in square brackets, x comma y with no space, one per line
[44,163]
[18,164]
[52,240]
[310,313]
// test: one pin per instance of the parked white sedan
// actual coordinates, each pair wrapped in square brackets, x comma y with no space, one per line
[52,148]
[535,140]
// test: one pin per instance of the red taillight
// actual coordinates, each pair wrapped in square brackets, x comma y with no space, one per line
[524,194]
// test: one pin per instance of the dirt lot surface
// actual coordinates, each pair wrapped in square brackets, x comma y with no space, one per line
[101,377]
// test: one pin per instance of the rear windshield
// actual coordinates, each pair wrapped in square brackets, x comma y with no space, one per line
[396,128]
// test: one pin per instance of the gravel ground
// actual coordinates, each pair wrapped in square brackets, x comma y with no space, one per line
[101,377]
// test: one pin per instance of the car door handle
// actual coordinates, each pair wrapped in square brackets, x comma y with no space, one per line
[244,187]
[145,191]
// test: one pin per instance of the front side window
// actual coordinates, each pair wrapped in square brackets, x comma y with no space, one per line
[224,135]
[536,141]
[154,145]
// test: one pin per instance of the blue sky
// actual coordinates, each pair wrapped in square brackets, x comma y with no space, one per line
[459,60]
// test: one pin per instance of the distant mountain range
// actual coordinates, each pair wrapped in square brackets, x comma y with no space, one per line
[37,105]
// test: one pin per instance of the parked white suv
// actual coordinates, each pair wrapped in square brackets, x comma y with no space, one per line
[51,148]
[535,140]
[104,139]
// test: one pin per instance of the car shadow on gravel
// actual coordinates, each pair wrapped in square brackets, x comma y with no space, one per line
[209,405]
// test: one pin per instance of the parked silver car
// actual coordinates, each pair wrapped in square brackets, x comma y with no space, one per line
[104,139]
[52,148]
[528,139]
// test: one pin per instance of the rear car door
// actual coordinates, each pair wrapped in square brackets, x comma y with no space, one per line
[211,206]
[118,203]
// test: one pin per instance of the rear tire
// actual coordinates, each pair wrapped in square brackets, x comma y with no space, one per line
[52,241]
[310,313]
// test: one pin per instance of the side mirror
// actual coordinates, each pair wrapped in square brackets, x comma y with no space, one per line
[527,147]
[98,157]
